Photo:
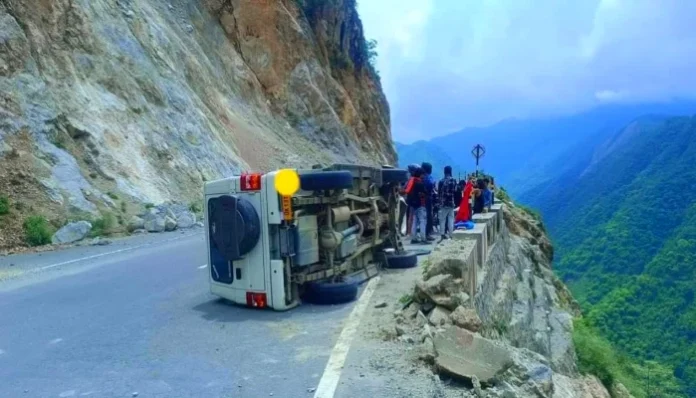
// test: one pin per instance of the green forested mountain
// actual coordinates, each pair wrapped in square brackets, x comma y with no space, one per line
[623,218]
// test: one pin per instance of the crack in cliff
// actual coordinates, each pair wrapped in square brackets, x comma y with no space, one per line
[10,9]
[236,42]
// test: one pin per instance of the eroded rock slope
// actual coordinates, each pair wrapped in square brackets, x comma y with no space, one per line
[136,101]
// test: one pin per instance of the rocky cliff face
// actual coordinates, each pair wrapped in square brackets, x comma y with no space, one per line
[108,101]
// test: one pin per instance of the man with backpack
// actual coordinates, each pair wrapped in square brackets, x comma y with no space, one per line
[446,195]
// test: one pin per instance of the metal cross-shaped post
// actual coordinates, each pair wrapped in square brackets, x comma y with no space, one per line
[478,153]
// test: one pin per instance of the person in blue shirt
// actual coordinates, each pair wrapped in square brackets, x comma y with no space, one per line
[487,194]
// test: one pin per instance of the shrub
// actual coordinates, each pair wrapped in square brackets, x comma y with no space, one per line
[112,195]
[4,205]
[37,231]
[595,355]
[195,207]
[149,205]
[102,226]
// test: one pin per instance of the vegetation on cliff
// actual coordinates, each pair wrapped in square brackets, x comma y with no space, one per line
[625,231]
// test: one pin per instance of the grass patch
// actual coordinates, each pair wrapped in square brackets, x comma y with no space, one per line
[4,205]
[124,207]
[426,265]
[112,195]
[500,326]
[502,194]
[406,298]
[195,207]
[102,226]
[37,231]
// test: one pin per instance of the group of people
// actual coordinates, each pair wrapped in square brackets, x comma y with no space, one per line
[431,205]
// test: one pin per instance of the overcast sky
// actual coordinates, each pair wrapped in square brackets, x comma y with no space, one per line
[449,64]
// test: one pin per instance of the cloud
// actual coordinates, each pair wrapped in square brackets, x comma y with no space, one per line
[448,64]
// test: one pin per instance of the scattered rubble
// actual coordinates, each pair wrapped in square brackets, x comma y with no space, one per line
[99,241]
[164,217]
[515,339]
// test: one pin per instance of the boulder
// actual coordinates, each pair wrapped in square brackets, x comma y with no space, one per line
[426,333]
[135,223]
[155,224]
[169,224]
[421,319]
[442,290]
[185,219]
[410,311]
[439,316]
[426,351]
[463,354]
[72,232]
[466,318]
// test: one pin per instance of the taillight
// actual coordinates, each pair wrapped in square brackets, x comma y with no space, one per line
[250,182]
[257,300]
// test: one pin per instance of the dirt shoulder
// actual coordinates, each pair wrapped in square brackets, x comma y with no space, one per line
[385,360]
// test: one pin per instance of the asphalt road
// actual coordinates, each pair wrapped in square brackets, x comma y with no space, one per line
[136,318]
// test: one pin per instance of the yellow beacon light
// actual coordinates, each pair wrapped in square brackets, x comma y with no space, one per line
[287,182]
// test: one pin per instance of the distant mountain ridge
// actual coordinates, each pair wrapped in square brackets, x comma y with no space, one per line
[520,152]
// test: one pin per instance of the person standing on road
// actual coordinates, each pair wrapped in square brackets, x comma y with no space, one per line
[479,196]
[407,189]
[430,192]
[447,188]
[417,203]
[487,194]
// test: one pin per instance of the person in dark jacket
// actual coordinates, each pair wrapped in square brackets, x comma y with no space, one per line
[417,203]
[431,196]
[447,200]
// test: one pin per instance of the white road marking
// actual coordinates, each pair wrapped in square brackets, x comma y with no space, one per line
[55,341]
[2,351]
[332,372]
[110,253]
[203,266]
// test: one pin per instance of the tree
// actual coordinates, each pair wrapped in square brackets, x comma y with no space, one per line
[372,53]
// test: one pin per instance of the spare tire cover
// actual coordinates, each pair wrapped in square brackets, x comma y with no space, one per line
[234,224]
